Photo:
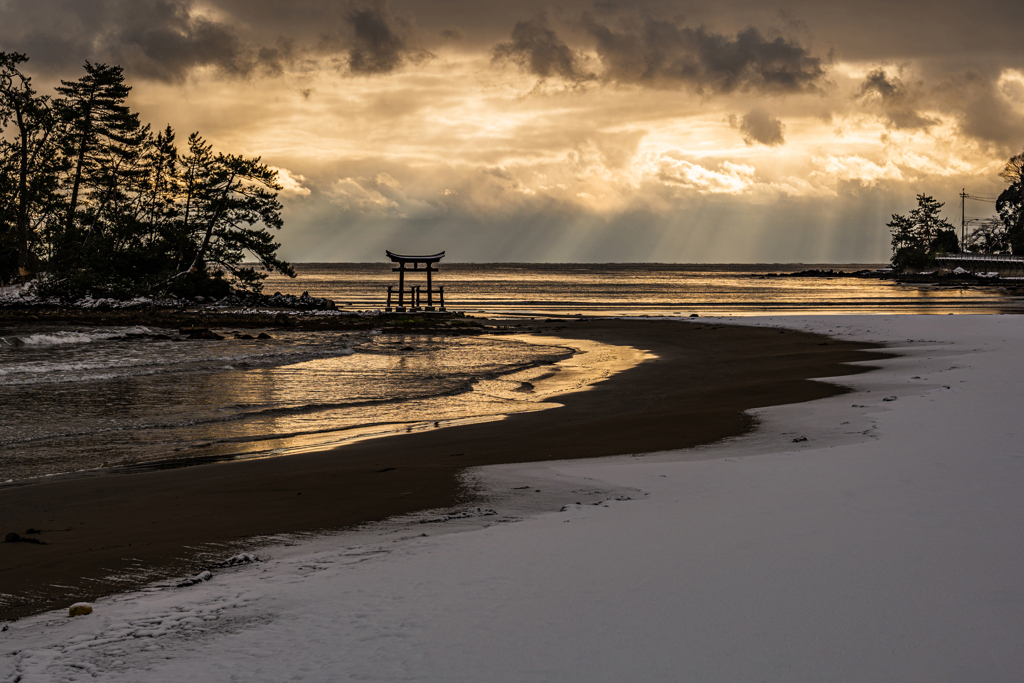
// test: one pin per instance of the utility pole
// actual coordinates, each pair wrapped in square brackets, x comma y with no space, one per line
[963,219]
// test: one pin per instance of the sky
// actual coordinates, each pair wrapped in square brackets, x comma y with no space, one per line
[732,131]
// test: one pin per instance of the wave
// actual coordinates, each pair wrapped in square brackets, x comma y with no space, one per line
[76,337]
[121,366]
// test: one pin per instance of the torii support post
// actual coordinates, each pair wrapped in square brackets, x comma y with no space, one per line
[401,288]
[430,291]
[429,265]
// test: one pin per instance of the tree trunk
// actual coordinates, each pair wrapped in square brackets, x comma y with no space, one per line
[79,163]
[210,226]
[23,232]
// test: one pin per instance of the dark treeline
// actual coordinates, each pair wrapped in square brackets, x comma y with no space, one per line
[918,238]
[99,204]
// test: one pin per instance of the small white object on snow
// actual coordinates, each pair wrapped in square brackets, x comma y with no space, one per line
[79,608]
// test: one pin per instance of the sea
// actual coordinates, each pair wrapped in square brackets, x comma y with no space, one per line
[91,400]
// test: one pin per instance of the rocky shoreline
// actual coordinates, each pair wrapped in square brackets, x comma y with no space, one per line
[952,278]
[298,312]
[217,317]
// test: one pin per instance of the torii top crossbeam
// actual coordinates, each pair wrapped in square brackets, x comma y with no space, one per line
[399,258]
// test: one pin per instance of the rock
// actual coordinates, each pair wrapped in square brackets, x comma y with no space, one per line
[694,315]
[244,336]
[79,609]
[199,333]
[263,335]
[15,538]
[198,578]
[240,559]
[33,531]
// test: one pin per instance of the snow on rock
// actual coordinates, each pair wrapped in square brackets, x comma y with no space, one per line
[198,578]
[887,547]
[236,560]
[462,514]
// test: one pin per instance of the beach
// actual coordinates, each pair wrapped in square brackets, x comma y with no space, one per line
[112,533]
[871,535]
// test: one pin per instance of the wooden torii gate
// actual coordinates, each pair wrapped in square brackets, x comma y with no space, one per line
[429,265]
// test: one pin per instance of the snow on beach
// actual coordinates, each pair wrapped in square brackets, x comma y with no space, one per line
[875,535]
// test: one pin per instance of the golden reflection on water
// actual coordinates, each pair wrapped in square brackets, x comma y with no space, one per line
[491,398]
[644,289]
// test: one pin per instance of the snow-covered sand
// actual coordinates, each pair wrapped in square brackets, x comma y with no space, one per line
[887,546]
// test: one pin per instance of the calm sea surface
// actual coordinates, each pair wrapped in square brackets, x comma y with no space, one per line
[645,289]
[97,399]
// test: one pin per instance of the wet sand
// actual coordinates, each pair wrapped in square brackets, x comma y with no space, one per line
[111,533]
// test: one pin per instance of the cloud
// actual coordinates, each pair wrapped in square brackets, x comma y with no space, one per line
[758,126]
[381,196]
[889,95]
[274,60]
[986,111]
[663,54]
[291,183]
[166,40]
[157,39]
[730,178]
[854,168]
[378,46]
[539,51]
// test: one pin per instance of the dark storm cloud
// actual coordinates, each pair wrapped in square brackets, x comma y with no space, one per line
[758,126]
[166,39]
[377,46]
[538,50]
[984,113]
[274,60]
[663,54]
[373,40]
[159,39]
[892,97]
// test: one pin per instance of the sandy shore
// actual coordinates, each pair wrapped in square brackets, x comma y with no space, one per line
[113,533]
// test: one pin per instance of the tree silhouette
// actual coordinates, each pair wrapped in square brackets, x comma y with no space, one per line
[1010,203]
[917,239]
[33,121]
[108,208]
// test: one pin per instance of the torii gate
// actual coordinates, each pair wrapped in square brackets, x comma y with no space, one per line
[414,291]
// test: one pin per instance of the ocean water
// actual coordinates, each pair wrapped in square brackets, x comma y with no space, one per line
[645,289]
[95,400]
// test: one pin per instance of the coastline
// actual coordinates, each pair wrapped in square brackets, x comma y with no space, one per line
[115,533]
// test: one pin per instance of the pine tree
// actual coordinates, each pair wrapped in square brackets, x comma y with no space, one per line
[918,238]
[1010,203]
[102,138]
[110,209]
[229,206]
[20,158]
